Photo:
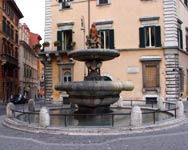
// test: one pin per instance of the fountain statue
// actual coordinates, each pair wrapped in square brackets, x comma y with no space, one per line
[94,94]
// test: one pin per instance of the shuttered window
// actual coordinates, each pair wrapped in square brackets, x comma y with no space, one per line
[186,39]
[65,3]
[107,39]
[103,2]
[150,36]
[65,37]
[180,40]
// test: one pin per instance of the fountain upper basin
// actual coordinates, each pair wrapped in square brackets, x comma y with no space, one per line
[94,54]
[95,86]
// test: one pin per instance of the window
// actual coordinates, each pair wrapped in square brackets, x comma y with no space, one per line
[150,36]
[180,41]
[66,72]
[186,38]
[4,47]
[67,77]
[186,2]
[16,19]
[65,3]
[16,37]
[107,38]
[181,79]
[102,2]
[12,33]
[4,25]
[4,4]
[65,37]
[150,75]
[8,29]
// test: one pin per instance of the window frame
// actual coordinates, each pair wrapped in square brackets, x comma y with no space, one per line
[180,38]
[63,68]
[101,4]
[186,2]
[109,41]
[67,75]
[62,4]
[4,5]
[157,36]
[65,45]
[186,39]
[179,34]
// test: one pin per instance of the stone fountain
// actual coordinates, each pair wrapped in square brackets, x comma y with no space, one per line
[94,94]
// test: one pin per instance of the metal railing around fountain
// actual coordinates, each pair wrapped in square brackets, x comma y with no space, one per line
[112,118]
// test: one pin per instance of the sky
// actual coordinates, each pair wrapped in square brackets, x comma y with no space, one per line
[33,12]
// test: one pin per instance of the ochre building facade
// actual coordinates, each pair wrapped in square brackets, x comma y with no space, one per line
[151,36]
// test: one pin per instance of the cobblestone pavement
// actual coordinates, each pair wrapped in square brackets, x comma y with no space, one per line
[167,139]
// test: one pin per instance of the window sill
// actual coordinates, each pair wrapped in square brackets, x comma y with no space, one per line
[157,89]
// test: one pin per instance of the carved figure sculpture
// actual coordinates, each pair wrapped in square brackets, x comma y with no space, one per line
[93,40]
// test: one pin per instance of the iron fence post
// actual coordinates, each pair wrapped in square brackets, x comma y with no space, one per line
[29,118]
[65,120]
[154,117]
[112,120]
[23,107]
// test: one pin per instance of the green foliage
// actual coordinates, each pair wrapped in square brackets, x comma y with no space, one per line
[57,43]
[37,46]
[46,44]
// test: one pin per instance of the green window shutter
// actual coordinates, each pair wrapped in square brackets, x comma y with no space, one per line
[111,42]
[59,38]
[158,36]
[142,37]
[70,32]
[181,40]
[69,38]
[186,42]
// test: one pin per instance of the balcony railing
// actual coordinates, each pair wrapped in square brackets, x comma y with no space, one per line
[10,59]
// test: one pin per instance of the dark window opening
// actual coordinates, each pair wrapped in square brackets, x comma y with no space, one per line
[151,100]
[107,39]
[180,40]
[65,38]
[67,77]
[150,36]
[65,3]
[103,1]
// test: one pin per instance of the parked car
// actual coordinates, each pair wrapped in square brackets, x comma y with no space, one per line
[18,99]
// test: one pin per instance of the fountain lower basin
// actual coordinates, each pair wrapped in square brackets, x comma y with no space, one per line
[94,95]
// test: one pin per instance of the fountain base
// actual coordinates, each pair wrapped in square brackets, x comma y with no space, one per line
[93,110]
